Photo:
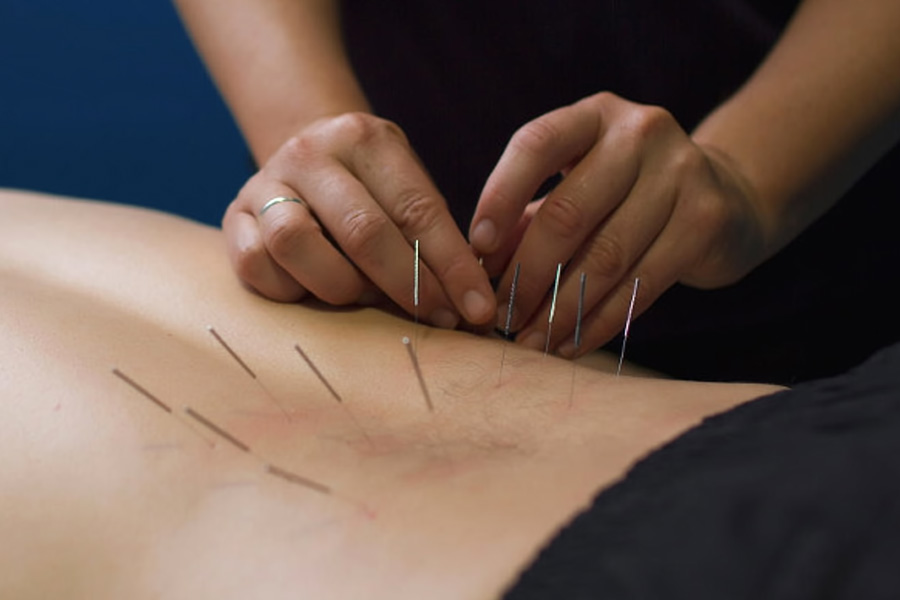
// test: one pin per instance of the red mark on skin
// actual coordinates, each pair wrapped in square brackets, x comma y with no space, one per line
[57,407]
[363,509]
[368,512]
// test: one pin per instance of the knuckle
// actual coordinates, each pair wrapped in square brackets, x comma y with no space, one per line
[299,148]
[563,215]
[363,231]
[606,258]
[647,121]
[536,137]
[603,100]
[354,125]
[417,211]
[688,164]
[362,128]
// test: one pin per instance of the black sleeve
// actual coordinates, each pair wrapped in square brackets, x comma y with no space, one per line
[794,495]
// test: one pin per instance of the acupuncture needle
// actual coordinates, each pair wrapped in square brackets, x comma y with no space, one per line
[247,369]
[509,316]
[637,282]
[142,390]
[217,430]
[267,467]
[415,362]
[416,296]
[578,319]
[318,373]
[221,432]
[552,308]
[333,392]
[296,479]
[156,401]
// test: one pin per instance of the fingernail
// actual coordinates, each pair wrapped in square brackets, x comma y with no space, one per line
[444,318]
[567,349]
[484,235]
[476,305]
[535,340]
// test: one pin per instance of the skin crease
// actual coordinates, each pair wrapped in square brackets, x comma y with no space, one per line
[118,498]
[640,196]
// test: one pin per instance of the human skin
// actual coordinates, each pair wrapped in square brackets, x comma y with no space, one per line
[641,197]
[103,494]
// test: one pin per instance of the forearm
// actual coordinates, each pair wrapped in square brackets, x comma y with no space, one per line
[818,112]
[280,64]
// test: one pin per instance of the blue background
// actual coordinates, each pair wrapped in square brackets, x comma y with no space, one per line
[109,100]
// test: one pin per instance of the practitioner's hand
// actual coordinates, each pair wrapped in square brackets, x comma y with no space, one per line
[366,198]
[638,198]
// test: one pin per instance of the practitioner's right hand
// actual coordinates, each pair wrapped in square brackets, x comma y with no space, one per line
[366,199]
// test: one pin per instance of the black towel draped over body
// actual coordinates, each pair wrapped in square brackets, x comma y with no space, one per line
[792,496]
[460,77]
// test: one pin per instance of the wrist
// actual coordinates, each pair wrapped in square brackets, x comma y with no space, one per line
[735,182]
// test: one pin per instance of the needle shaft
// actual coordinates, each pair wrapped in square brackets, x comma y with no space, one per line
[415,362]
[552,308]
[318,373]
[634,292]
[217,430]
[509,316]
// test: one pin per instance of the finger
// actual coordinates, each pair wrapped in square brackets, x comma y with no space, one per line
[547,320]
[612,251]
[294,239]
[676,249]
[540,149]
[400,185]
[373,242]
[498,262]
[252,262]
[567,218]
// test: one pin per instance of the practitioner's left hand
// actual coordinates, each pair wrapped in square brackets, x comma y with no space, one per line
[638,198]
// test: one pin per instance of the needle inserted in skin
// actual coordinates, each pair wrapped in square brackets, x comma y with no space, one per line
[317,372]
[415,363]
[233,354]
[297,479]
[247,369]
[157,402]
[578,319]
[634,292]
[143,391]
[509,316]
[552,308]
[580,312]
[333,391]
[217,430]
[416,295]
[269,467]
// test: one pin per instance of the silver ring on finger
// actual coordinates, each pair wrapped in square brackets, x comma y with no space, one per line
[279,200]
